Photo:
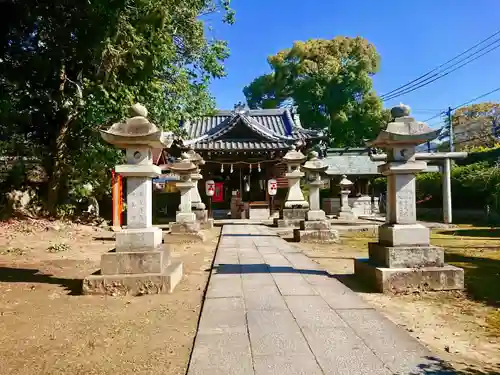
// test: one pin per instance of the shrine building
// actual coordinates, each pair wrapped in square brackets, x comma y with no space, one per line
[243,149]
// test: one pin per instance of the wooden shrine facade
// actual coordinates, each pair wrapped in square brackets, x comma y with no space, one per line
[242,150]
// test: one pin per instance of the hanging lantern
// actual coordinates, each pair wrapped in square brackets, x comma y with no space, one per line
[222,168]
[231,170]
[258,167]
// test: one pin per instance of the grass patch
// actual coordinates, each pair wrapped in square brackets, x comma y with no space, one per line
[475,249]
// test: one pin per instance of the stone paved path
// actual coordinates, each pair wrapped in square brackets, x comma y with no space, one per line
[269,309]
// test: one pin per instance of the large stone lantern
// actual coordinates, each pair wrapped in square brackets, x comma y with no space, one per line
[139,265]
[403,258]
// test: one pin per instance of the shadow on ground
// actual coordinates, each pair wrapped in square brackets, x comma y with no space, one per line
[473,232]
[437,366]
[29,275]
[482,276]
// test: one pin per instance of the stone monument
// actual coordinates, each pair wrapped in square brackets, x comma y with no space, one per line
[185,219]
[295,207]
[139,265]
[403,259]
[316,228]
[345,212]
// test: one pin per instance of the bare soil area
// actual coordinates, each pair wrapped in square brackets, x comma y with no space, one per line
[461,327]
[46,327]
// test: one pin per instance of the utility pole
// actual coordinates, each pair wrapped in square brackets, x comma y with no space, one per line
[450,129]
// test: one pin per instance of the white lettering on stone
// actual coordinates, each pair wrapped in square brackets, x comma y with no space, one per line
[406,204]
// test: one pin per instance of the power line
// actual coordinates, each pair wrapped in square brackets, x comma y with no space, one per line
[465,103]
[437,76]
[390,93]
[476,98]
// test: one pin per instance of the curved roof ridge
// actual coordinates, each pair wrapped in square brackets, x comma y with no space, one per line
[264,131]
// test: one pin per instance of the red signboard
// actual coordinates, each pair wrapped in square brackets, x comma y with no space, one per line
[218,193]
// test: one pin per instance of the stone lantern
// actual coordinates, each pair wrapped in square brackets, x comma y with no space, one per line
[403,258]
[345,210]
[316,228]
[139,265]
[314,167]
[185,217]
[295,207]
[197,205]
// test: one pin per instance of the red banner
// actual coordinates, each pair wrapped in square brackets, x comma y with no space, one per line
[219,192]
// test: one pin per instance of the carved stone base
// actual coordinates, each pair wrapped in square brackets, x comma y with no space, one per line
[135,284]
[405,256]
[201,215]
[316,235]
[396,280]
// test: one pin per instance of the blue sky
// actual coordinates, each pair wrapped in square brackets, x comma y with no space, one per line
[412,38]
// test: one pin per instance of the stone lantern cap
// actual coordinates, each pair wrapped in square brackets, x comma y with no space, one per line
[183,165]
[137,131]
[345,182]
[315,164]
[404,130]
[293,156]
[194,157]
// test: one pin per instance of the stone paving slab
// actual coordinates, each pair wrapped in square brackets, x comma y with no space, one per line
[269,309]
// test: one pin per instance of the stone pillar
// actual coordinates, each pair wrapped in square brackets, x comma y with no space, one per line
[345,210]
[447,208]
[140,265]
[295,206]
[403,259]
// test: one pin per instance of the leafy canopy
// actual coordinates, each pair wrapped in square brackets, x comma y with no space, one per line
[330,83]
[70,66]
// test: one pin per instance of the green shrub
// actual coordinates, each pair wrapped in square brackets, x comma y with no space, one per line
[473,186]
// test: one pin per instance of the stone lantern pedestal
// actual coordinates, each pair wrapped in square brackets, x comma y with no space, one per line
[185,219]
[403,259]
[316,228]
[295,207]
[345,210]
[140,264]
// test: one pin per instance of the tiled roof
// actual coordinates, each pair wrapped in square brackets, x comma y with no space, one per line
[356,162]
[351,162]
[268,129]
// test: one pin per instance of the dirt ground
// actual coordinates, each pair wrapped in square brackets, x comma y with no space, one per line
[46,328]
[461,327]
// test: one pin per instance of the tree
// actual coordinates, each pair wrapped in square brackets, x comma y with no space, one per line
[68,67]
[329,81]
[477,125]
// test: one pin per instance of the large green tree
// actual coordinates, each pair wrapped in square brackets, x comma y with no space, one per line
[477,125]
[330,83]
[69,66]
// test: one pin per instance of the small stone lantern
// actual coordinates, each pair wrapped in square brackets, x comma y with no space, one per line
[314,167]
[139,265]
[197,205]
[345,210]
[403,259]
[295,207]
[184,168]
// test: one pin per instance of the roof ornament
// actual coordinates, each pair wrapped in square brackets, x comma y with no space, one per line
[241,108]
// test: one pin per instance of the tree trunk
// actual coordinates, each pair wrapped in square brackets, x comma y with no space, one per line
[59,168]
